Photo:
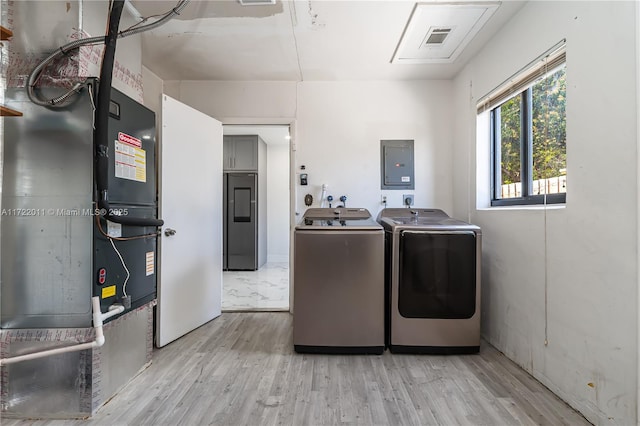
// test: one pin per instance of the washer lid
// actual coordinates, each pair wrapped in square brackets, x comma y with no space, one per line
[411,212]
[428,224]
[422,219]
[337,213]
[338,219]
[339,224]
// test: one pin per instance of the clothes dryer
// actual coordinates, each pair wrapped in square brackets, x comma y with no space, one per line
[432,282]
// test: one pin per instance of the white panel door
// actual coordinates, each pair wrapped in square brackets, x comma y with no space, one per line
[190,287]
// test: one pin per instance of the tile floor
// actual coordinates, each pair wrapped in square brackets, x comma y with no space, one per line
[266,289]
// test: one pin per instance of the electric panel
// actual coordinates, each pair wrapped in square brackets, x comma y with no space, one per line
[396,164]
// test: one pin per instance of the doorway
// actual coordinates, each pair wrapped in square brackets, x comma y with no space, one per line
[267,288]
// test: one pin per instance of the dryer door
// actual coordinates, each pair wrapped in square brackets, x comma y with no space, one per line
[437,274]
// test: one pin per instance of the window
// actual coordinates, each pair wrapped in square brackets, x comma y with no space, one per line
[528,134]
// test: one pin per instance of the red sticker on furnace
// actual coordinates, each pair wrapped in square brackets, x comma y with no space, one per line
[128,139]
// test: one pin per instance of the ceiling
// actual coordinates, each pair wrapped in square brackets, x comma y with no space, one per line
[295,40]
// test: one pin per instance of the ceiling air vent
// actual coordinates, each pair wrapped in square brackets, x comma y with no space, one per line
[437,32]
[437,36]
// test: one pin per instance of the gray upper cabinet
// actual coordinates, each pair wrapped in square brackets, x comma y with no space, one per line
[241,152]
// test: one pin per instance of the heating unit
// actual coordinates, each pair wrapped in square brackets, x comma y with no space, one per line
[60,248]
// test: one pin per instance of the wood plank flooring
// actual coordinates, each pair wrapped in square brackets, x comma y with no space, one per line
[240,369]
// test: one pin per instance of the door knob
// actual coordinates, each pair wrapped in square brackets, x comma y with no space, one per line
[169,232]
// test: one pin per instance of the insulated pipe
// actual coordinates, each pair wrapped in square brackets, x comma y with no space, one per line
[101,137]
[98,319]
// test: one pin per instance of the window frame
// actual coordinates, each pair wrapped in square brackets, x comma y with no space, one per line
[526,154]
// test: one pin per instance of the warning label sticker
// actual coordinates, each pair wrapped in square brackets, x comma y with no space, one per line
[131,159]
[150,262]
[108,291]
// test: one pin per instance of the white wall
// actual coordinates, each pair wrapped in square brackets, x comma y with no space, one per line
[339,126]
[152,88]
[591,248]
[277,203]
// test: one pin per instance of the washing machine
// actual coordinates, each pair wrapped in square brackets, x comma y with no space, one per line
[432,282]
[338,298]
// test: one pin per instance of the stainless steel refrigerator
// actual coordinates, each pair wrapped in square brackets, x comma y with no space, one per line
[241,243]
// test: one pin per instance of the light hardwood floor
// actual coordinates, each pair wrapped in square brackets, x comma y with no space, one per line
[240,369]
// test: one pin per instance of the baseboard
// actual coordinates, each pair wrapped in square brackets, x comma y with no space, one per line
[277,258]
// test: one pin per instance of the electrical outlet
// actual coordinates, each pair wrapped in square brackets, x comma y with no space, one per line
[407,199]
[383,199]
